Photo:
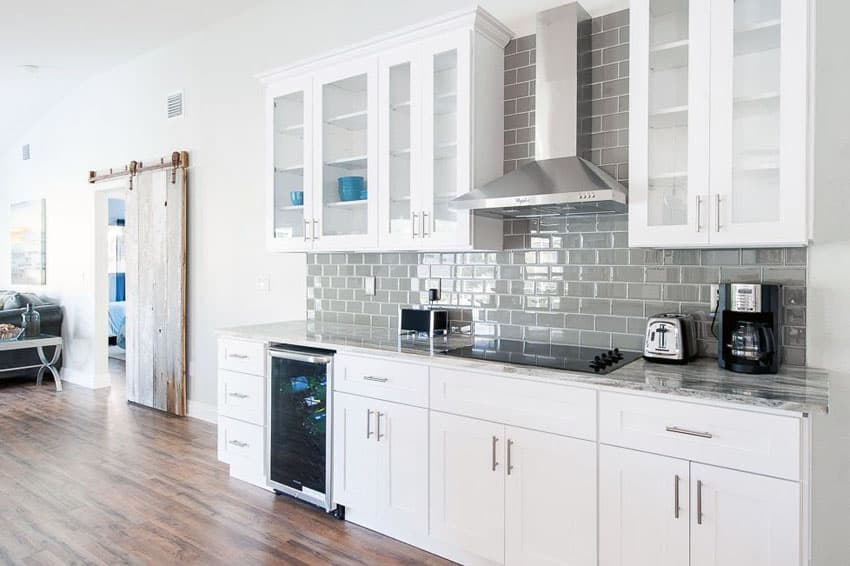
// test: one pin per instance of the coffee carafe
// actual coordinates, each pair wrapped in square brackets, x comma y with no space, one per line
[748,317]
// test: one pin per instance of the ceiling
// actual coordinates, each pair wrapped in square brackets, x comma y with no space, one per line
[71,41]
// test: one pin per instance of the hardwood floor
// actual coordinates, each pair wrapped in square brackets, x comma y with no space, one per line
[86,478]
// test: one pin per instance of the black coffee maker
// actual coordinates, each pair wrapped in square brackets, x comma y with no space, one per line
[748,318]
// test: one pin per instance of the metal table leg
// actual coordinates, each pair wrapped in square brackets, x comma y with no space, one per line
[49,365]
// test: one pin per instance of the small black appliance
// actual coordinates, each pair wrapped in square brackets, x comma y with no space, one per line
[748,317]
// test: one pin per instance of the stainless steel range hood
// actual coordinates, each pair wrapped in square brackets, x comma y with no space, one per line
[560,181]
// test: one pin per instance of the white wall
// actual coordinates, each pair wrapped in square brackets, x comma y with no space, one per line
[828,344]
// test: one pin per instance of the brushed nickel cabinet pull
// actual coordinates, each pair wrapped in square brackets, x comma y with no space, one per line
[239,395]
[699,213]
[676,496]
[424,224]
[495,463]
[368,423]
[679,430]
[315,229]
[413,224]
[238,443]
[699,502]
[717,212]
[379,414]
[306,229]
[374,378]
[510,466]
[238,356]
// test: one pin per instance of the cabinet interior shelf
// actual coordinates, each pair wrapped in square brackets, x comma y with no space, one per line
[670,117]
[291,207]
[403,106]
[351,163]
[353,121]
[295,130]
[761,97]
[669,175]
[758,26]
[403,153]
[445,103]
[446,150]
[669,55]
[294,169]
[347,203]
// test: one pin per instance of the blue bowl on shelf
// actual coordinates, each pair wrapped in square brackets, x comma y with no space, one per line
[296,198]
[352,188]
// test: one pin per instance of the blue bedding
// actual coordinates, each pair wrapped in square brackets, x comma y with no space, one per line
[117,318]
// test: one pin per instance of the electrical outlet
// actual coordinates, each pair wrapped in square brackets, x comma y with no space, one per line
[369,285]
[715,296]
[264,283]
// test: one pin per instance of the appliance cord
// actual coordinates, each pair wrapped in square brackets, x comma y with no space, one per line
[714,320]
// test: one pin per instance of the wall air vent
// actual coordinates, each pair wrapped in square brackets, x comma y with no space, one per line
[175,105]
[25,151]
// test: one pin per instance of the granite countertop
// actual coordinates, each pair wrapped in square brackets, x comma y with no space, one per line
[801,390]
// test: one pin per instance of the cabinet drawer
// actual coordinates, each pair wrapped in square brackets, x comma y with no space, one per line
[549,407]
[240,444]
[241,396]
[401,382]
[743,440]
[241,356]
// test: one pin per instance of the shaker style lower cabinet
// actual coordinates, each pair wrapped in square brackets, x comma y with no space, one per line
[743,518]
[643,509]
[550,499]
[380,464]
[467,499]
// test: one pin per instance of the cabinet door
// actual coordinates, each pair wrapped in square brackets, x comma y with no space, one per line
[400,148]
[345,211]
[467,495]
[401,433]
[758,121]
[355,460]
[446,134]
[669,105]
[550,499]
[742,518]
[640,523]
[289,147]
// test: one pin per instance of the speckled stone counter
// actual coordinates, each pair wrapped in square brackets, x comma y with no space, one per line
[801,390]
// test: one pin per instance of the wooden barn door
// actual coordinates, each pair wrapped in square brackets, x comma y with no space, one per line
[155,249]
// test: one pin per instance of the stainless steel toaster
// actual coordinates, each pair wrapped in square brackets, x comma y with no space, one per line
[670,338]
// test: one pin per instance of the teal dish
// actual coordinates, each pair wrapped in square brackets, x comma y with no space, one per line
[296,198]
[352,188]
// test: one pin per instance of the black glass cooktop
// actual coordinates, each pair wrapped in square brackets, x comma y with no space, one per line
[555,356]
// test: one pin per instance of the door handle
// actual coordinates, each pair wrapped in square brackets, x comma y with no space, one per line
[510,466]
[375,378]
[699,502]
[238,443]
[717,212]
[239,395]
[679,430]
[699,213]
[413,224]
[379,414]
[676,496]
[368,423]
[424,223]
[495,463]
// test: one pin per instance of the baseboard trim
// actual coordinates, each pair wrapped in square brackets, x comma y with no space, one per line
[203,411]
[82,378]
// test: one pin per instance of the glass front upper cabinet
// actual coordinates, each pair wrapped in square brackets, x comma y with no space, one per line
[347,131]
[291,172]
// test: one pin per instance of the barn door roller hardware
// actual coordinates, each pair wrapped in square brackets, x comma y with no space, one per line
[177,160]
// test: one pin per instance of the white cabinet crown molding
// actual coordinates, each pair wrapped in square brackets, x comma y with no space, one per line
[479,18]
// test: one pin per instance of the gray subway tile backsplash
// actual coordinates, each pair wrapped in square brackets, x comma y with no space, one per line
[571,280]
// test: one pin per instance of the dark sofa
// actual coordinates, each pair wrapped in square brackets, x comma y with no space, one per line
[13,304]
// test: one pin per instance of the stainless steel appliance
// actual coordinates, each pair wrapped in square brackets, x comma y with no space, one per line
[670,338]
[748,317]
[298,445]
[430,322]
[554,356]
[561,180]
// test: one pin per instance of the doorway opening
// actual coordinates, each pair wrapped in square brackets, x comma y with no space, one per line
[116,312]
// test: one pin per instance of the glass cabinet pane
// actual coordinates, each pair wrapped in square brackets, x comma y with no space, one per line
[400,145]
[289,166]
[668,113]
[445,123]
[344,151]
[755,111]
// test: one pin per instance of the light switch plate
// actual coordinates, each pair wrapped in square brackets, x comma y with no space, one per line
[369,285]
[264,283]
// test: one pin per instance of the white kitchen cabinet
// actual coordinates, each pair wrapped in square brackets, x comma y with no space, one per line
[640,523]
[550,499]
[718,123]
[418,115]
[380,464]
[742,518]
[467,485]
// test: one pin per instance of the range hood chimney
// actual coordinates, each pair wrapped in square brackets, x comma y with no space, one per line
[561,181]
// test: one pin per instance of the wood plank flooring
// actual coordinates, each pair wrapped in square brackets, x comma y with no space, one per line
[86,478]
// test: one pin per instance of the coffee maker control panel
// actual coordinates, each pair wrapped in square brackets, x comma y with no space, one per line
[745,298]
